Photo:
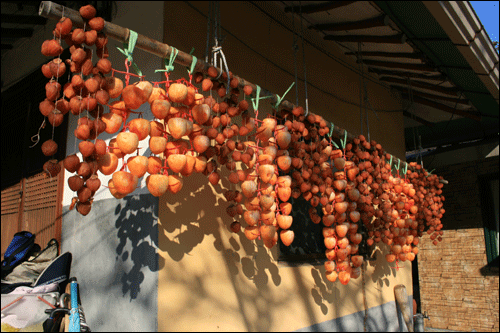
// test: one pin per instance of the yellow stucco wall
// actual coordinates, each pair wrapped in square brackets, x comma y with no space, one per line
[212,279]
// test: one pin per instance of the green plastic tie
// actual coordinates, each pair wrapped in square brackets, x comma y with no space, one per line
[399,163]
[129,49]
[193,65]
[345,140]
[390,162]
[336,146]
[280,99]
[331,130]
[255,101]
[193,62]
[169,66]
[405,169]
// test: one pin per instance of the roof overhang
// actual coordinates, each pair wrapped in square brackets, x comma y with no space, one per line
[461,24]
[436,55]
[455,42]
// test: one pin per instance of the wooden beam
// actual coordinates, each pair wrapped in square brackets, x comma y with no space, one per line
[317,7]
[405,55]
[422,94]
[400,65]
[448,91]
[391,39]
[378,21]
[438,77]
[444,108]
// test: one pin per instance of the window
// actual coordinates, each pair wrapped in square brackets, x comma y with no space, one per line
[308,244]
[488,186]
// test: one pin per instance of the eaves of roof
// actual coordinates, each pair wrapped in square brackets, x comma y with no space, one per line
[453,39]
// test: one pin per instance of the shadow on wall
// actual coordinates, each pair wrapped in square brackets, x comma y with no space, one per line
[105,234]
[115,259]
[325,293]
[136,222]
[199,210]
[198,214]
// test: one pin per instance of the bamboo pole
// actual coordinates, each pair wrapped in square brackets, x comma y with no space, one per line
[51,10]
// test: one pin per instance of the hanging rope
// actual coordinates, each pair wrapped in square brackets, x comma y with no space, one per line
[364,101]
[304,59]
[36,138]
[216,50]
[214,28]
[207,49]
[360,89]
[295,48]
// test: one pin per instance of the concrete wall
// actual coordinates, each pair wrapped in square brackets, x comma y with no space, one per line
[212,279]
[172,264]
[114,246]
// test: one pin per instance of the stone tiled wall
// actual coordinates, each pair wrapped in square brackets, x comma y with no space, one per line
[454,291]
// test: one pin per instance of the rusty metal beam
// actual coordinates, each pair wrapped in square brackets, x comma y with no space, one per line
[378,21]
[390,39]
[404,74]
[422,94]
[444,108]
[406,55]
[399,65]
[317,7]
[453,91]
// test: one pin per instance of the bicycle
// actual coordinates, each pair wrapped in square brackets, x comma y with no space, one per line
[74,319]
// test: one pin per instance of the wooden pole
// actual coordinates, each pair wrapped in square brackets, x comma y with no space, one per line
[51,10]
[401,297]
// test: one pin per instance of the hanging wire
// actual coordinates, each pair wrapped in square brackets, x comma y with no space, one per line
[217,48]
[209,23]
[367,124]
[295,49]
[277,65]
[360,87]
[265,64]
[364,101]
[304,58]
[216,35]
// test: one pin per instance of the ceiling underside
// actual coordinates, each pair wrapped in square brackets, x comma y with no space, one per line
[19,21]
[406,48]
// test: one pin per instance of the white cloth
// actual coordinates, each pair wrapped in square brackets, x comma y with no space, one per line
[29,310]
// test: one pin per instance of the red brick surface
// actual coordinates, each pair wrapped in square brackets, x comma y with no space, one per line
[453,291]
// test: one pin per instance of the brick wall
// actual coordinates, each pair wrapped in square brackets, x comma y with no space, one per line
[453,289]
